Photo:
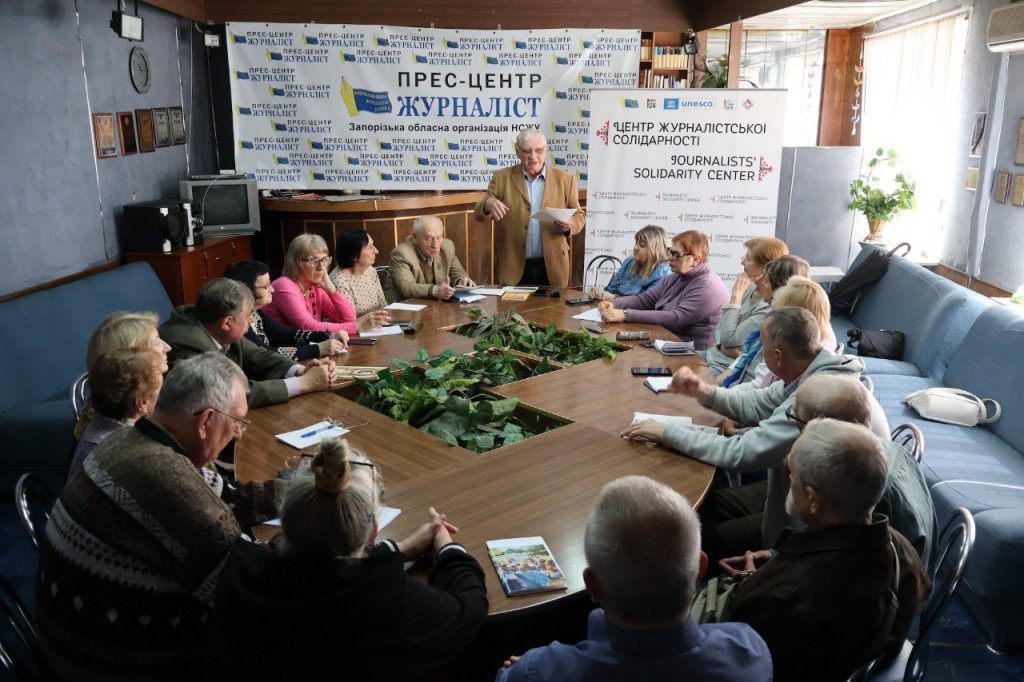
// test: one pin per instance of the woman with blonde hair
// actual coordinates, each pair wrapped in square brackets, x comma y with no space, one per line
[330,589]
[642,270]
[306,298]
[803,292]
[125,330]
[746,308]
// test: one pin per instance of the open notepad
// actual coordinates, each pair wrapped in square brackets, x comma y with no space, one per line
[674,420]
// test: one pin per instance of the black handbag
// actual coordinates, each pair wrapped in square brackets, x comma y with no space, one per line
[877,344]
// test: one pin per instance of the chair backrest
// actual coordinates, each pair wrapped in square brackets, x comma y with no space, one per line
[910,437]
[34,500]
[79,394]
[384,275]
[868,382]
[20,654]
[956,541]
[601,260]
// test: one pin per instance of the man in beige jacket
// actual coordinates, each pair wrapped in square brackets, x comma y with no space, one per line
[425,264]
[531,251]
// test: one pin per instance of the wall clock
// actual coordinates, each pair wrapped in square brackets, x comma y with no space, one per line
[138,62]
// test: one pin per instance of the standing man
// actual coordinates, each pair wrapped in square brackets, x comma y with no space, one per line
[531,251]
[425,264]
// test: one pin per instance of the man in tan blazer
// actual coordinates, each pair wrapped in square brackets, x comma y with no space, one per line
[531,251]
[425,264]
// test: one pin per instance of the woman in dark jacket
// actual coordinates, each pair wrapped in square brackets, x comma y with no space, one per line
[265,331]
[329,599]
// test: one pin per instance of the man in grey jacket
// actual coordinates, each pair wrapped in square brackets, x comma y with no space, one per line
[792,350]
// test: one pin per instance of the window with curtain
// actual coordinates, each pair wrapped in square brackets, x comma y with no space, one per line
[791,60]
[911,103]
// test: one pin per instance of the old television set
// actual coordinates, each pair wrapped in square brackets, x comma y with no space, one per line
[225,204]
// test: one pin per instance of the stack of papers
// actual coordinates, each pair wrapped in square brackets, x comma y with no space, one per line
[658,384]
[488,291]
[674,347]
[390,330]
[312,435]
[412,307]
[465,296]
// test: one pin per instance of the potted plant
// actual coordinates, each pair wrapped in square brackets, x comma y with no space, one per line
[880,201]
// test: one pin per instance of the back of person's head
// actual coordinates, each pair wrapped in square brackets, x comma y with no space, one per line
[763,250]
[845,463]
[642,543]
[803,292]
[793,328]
[120,331]
[246,272]
[833,397]
[782,268]
[329,507]
[349,246]
[199,382]
[693,242]
[121,377]
[222,297]
[302,246]
[654,239]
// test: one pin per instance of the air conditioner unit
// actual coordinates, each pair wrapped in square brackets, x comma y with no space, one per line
[1006,29]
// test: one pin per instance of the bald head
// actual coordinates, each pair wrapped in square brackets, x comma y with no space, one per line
[833,397]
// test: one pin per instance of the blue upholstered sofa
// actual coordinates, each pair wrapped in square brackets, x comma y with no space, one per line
[961,339]
[47,333]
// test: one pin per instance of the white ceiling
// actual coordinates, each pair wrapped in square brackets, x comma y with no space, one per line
[826,14]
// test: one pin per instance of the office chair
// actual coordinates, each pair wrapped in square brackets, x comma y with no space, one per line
[910,437]
[19,654]
[79,394]
[33,499]
[600,260]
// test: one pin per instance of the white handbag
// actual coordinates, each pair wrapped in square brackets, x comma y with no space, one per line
[953,406]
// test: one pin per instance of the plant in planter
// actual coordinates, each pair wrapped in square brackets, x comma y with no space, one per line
[510,330]
[880,201]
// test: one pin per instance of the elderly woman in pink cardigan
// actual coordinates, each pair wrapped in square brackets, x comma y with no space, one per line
[306,298]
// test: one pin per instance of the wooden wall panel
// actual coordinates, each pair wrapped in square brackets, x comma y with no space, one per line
[481,260]
[842,55]
[382,232]
[456,229]
[666,15]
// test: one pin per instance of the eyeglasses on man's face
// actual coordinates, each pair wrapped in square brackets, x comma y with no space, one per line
[673,254]
[242,422]
[313,262]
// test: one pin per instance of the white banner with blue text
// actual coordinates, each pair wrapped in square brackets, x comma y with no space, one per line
[699,159]
[321,106]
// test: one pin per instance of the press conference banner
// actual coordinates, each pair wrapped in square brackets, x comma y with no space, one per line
[696,159]
[323,106]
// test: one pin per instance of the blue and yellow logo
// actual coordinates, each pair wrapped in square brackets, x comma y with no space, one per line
[359,99]
[243,111]
[313,175]
[310,40]
[240,75]
[315,145]
[451,44]
[385,176]
[346,57]
[586,80]
[274,56]
[280,160]
[239,40]
[451,146]
[381,42]
[383,146]
[629,103]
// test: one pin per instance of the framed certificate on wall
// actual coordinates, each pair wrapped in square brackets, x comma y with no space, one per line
[1018,190]
[106,139]
[126,126]
[177,125]
[162,127]
[1019,160]
[144,121]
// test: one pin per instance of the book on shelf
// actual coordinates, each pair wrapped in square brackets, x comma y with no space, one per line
[525,566]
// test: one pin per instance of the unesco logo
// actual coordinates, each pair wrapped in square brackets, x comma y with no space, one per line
[671,103]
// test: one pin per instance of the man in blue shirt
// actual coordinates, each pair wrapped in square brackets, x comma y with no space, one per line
[642,544]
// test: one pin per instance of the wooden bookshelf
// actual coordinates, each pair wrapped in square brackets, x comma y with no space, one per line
[662,60]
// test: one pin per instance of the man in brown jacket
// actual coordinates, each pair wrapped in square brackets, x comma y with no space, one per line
[531,251]
[425,264]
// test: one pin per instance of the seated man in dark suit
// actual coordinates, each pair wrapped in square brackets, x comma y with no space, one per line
[218,322]
[841,592]
[643,561]
[425,264]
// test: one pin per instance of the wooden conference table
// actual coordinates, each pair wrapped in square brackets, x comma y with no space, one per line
[545,485]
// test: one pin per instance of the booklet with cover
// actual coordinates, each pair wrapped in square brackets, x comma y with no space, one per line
[525,565]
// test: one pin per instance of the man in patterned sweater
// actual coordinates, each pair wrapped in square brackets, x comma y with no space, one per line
[132,552]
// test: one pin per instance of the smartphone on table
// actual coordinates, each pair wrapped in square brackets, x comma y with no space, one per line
[651,371]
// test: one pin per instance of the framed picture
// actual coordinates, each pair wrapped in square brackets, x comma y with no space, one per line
[126,127]
[978,134]
[1001,190]
[1019,160]
[1018,190]
[144,121]
[103,130]
[177,125]
[971,181]
[162,127]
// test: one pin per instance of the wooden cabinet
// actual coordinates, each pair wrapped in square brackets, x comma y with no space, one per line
[184,271]
[663,63]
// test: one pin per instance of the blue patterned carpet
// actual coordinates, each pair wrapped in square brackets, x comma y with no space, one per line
[958,652]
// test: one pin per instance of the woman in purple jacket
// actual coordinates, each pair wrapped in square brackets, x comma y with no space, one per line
[687,302]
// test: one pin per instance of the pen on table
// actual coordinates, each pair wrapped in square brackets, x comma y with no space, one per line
[307,434]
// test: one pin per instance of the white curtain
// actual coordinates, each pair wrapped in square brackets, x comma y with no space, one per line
[911,104]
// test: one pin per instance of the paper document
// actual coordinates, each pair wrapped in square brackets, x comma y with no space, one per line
[413,307]
[311,435]
[674,347]
[592,315]
[385,515]
[466,298]
[528,290]
[390,330]
[487,291]
[674,420]
[658,384]
[553,214]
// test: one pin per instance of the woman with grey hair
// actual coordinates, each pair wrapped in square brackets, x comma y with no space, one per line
[306,298]
[329,589]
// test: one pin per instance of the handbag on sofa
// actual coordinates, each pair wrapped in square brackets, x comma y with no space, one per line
[953,406]
[877,344]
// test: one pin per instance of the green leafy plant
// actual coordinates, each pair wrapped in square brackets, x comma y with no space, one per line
[440,395]
[510,330]
[882,200]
